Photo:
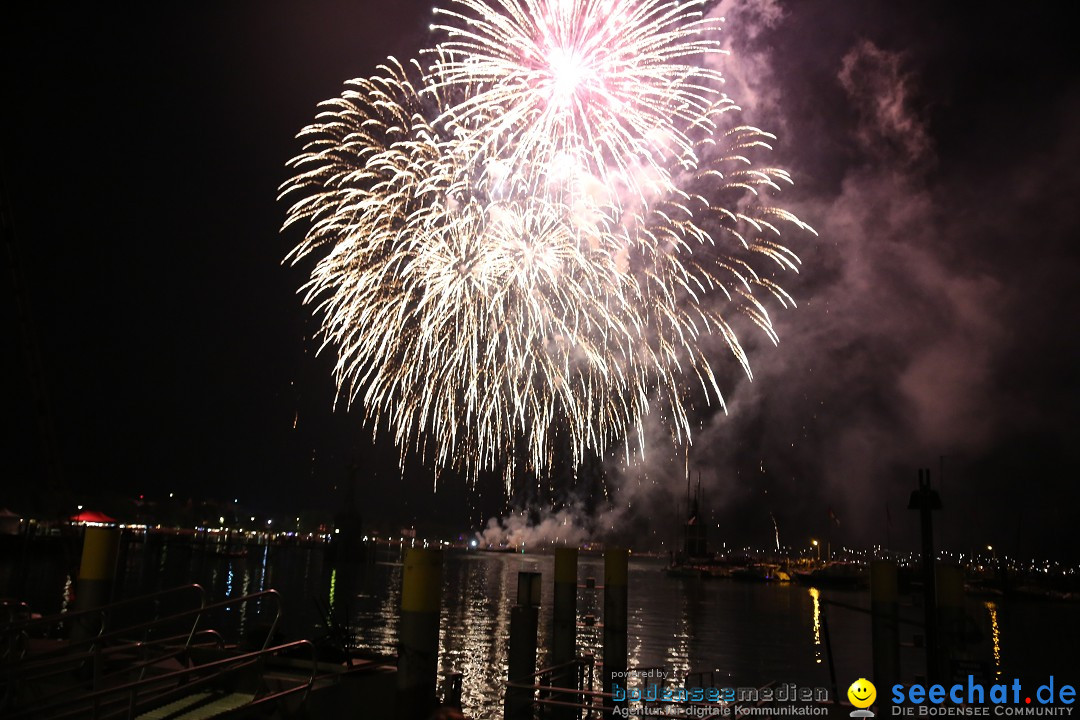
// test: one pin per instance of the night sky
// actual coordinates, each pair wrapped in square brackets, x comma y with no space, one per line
[155,343]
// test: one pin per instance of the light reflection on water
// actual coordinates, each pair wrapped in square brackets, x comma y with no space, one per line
[752,633]
[473,622]
[744,631]
[333,589]
[995,636]
[815,594]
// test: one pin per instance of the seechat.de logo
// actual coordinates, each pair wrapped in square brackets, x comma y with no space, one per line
[862,695]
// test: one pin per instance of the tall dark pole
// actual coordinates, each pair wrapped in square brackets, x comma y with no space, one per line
[884,622]
[564,624]
[54,487]
[615,609]
[926,500]
[521,668]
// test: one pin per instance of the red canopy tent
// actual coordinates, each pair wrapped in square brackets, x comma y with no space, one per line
[92,516]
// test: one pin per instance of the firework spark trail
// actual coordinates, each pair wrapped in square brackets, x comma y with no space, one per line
[487,293]
[608,85]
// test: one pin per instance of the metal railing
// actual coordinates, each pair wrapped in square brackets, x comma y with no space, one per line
[96,622]
[129,699]
[566,690]
[83,662]
[33,679]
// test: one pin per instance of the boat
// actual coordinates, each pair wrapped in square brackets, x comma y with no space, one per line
[761,572]
[834,574]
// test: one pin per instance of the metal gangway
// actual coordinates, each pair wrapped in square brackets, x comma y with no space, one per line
[152,657]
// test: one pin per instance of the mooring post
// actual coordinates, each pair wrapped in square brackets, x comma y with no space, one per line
[950,605]
[884,623]
[418,634]
[521,668]
[97,570]
[615,601]
[564,627]
[926,500]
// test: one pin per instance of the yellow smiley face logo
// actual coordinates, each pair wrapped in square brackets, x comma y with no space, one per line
[862,693]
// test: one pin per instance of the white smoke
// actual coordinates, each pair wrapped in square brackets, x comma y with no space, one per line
[565,527]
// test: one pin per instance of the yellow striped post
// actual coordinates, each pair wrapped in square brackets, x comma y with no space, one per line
[418,633]
[97,569]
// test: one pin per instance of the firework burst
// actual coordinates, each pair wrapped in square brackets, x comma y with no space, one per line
[609,86]
[493,273]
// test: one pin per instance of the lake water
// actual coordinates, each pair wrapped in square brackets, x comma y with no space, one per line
[750,633]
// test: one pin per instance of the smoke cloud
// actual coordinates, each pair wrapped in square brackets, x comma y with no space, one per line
[569,526]
[922,337]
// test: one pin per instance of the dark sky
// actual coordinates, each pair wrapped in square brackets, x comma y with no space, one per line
[934,150]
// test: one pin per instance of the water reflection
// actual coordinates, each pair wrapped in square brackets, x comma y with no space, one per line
[244,588]
[476,623]
[375,620]
[816,622]
[759,632]
[995,636]
[68,593]
[262,567]
[636,617]
[677,656]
